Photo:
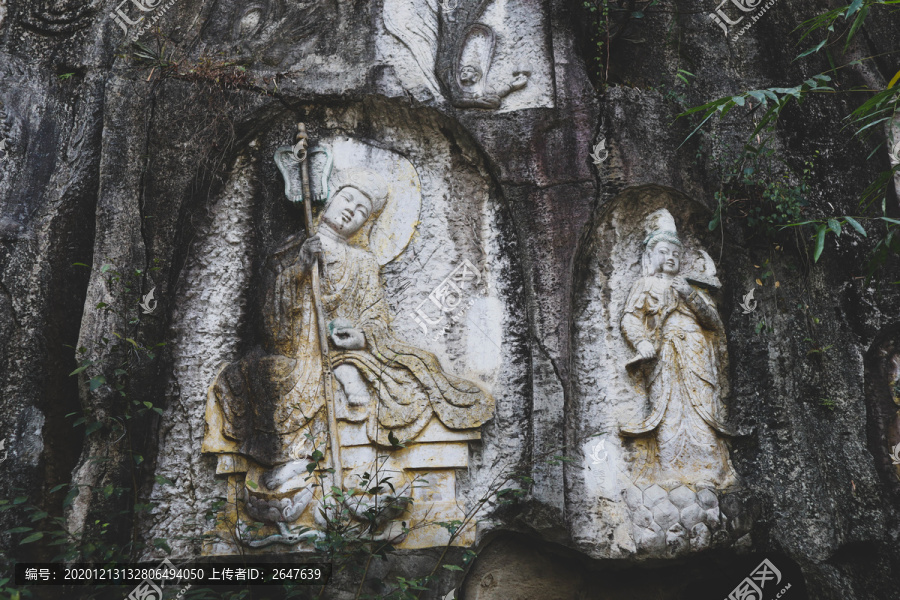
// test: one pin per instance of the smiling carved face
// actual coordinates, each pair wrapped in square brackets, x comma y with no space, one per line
[665,258]
[347,211]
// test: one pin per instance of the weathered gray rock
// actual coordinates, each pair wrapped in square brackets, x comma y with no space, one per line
[165,173]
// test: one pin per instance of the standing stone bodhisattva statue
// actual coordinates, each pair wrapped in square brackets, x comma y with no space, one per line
[680,344]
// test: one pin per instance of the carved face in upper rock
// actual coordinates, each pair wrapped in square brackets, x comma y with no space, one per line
[665,257]
[469,75]
[347,212]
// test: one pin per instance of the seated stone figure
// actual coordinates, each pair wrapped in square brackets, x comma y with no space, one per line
[474,94]
[269,410]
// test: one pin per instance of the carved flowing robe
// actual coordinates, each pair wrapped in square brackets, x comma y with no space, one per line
[270,403]
[684,382]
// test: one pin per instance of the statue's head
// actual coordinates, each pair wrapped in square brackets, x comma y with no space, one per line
[664,251]
[360,194]
[469,75]
[662,246]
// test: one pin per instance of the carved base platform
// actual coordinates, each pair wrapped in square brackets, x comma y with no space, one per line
[425,469]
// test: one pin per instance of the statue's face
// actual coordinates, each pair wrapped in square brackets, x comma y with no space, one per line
[469,75]
[665,258]
[347,211]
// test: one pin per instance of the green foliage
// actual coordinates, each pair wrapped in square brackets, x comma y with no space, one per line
[826,24]
[763,190]
[827,403]
[105,368]
[676,89]
[780,203]
[166,60]
[773,99]
[606,22]
[834,28]
[598,11]
[116,357]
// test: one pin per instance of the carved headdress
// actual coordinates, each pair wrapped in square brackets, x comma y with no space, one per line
[370,183]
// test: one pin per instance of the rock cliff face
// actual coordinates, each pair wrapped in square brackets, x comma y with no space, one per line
[536,165]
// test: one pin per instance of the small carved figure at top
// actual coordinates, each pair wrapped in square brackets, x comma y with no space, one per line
[679,341]
[472,66]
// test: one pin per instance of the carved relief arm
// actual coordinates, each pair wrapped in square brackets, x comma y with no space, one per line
[633,326]
[704,309]
[520,80]
[634,331]
[369,313]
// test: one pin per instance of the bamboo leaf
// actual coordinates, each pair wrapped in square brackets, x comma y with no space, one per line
[834,226]
[855,225]
[820,243]
[876,122]
[97,382]
[856,25]
[759,95]
[81,368]
[32,538]
[811,50]
[851,10]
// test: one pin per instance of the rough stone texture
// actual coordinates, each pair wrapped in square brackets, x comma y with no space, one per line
[102,161]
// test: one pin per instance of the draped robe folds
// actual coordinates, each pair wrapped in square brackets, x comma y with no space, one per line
[684,382]
[273,401]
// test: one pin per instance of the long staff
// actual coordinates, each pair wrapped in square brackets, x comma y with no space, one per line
[300,151]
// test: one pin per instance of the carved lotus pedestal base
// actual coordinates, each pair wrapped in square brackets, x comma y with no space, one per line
[254,520]
[676,519]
